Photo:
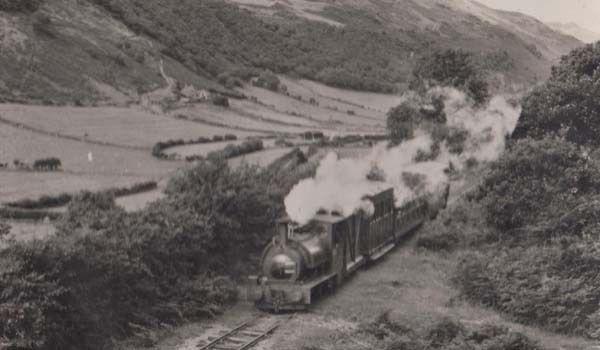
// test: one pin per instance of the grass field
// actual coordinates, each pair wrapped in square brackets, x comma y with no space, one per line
[323,113]
[118,125]
[109,166]
[363,103]
[213,115]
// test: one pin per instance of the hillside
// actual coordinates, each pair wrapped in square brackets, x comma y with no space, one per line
[86,52]
[575,30]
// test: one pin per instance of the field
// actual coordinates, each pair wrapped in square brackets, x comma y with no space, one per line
[373,105]
[325,112]
[85,166]
[106,147]
[131,127]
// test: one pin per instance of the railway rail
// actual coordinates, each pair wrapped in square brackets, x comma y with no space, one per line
[244,336]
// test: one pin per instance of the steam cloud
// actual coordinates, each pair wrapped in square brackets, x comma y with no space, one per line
[341,184]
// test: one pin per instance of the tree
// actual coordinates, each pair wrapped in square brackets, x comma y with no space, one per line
[401,121]
[538,181]
[568,104]
[453,68]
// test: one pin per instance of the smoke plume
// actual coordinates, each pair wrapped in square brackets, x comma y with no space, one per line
[342,184]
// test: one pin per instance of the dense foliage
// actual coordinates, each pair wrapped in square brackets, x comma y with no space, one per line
[568,104]
[445,333]
[108,274]
[533,224]
[232,150]
[20,5]
[538,181]
[217,37]
[455,68]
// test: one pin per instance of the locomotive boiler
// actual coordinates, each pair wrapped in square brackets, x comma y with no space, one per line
[302,262]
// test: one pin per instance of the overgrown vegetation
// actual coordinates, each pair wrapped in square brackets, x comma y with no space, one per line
[567,105]
[107,274]
[25,6]
[53,201]
[159,147]
[455,68]
[231,150]
[222,40]
[445,333]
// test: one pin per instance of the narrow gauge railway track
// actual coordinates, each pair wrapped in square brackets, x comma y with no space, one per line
[244,336]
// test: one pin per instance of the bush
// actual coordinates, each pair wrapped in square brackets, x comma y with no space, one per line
[444,241]
[455,68]
[20,5]
[537,181]
[401,122]
[42,202]
[268,81]
[231,150]
[107,274]
[446,333]
[566,104]
[220,100]
[551,286]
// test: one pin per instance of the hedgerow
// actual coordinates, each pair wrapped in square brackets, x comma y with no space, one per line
[232,150]
[159,147]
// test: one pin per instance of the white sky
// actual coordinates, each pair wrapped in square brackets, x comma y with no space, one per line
[586,13]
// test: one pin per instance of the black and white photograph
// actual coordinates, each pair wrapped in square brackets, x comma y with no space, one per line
[299,174]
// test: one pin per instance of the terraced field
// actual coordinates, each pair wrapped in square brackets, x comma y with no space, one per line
[86,166]
[103,147]
[131,127]
[333,114]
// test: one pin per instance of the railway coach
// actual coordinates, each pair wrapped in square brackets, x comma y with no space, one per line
[302,262]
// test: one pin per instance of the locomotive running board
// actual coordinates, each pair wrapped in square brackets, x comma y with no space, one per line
[382,251]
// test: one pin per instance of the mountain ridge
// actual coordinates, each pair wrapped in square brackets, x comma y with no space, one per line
[108,51]
[575,30]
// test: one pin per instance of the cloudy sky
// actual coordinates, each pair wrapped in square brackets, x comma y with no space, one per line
[583,12]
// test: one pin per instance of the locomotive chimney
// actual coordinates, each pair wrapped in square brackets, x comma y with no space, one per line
[282,230]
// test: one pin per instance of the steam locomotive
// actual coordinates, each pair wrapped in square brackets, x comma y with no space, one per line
[302,262]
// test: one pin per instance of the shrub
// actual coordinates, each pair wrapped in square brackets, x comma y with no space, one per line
[446,333]
[443,241]
[107,274]
[566,104]
[268,81]
[537,181]
[455,68]
[231,150]
[548,286]
[42,202]
[400,122]
[20,5]
[220,100]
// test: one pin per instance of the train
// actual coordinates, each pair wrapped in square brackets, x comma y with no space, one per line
[302,262]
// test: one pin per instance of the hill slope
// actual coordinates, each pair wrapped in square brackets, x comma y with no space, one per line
[110,50]
[573,29]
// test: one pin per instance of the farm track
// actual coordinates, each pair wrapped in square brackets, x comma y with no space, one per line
[69,137]
[244,336]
